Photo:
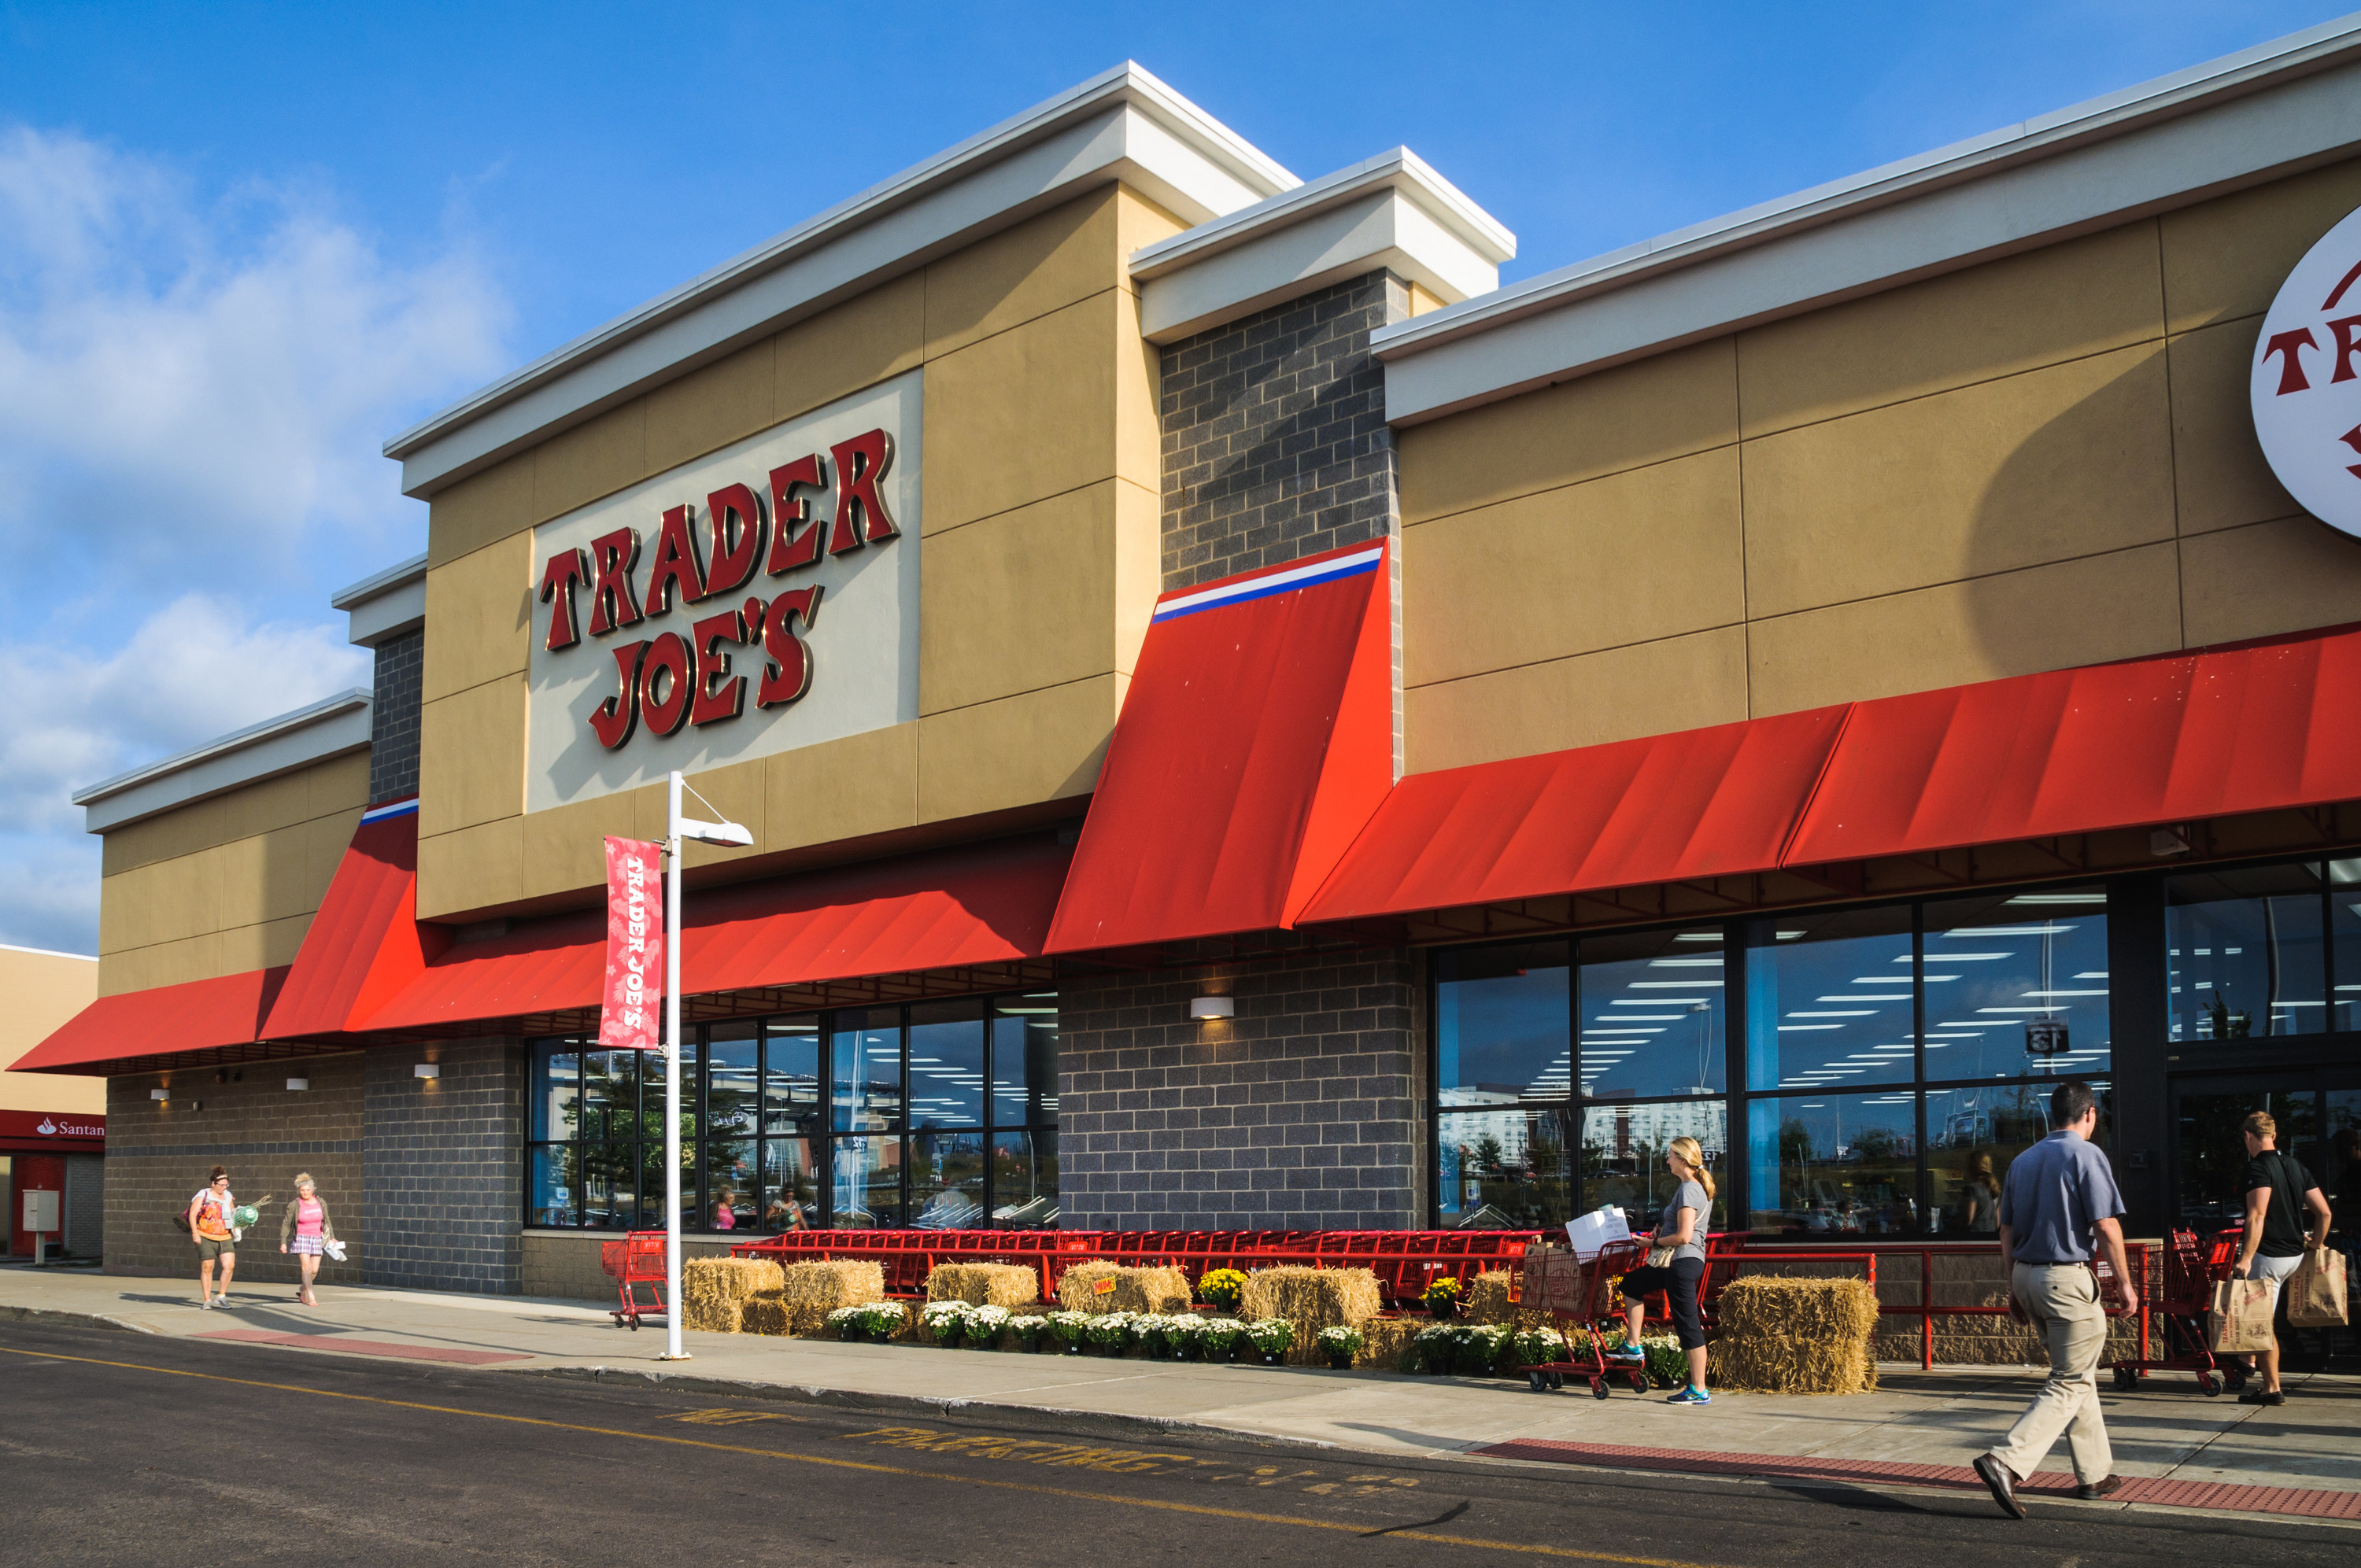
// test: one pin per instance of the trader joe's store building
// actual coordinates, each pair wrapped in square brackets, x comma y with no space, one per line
[1806,682]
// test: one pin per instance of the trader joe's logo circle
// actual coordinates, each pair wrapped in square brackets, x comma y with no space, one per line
[2306,389]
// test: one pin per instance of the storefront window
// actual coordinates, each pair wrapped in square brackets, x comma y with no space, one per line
[769,1141]
[1830,1165]
[1652,1014]
[1829,1000]
[1502,1026]
[2016,985]
[1972,1134]
[2246,953]
[1505,1170]
[2344,943]
[1623,1155]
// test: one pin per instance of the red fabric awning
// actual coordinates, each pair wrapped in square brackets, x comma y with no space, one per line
[987,904]
[1700,802]
[130,1031]
[1255,740]
[365,944]
[2252,727]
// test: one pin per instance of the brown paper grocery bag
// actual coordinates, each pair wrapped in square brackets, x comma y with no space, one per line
[1552,1280]
[2240,1322]
[2316,1292]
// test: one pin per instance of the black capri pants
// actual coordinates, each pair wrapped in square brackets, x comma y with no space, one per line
[1678,1279]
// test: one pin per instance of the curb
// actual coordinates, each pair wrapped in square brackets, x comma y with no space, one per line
[1095,1422]
[82,1319]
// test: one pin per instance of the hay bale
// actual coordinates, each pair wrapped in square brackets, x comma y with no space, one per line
[1005,1285]
[1384,1340]
[1312,1300]
[1796,1336]
[762,1315]
[813,1289]
[1488,1297]
[1140,1290]
[712,1290]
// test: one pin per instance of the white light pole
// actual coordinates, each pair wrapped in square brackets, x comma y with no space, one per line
[727,836]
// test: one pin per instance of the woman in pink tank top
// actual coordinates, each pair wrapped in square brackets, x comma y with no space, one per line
[305,1230]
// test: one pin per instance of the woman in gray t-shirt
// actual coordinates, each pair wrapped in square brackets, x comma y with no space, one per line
[1682,1228]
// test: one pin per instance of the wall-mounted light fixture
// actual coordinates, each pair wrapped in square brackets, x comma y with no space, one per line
[1204,1007]
[426,1069]
[2165,842]
[297,1085]
[159,1094]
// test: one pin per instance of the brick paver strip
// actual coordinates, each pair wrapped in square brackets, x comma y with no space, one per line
[365,1346]
[2305,1502]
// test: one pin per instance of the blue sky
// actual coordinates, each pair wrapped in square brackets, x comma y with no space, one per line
[240,244]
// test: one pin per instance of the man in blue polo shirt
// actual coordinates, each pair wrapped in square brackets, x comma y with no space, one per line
[2060,1201]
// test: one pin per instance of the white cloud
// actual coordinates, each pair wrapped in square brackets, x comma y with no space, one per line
[193,393]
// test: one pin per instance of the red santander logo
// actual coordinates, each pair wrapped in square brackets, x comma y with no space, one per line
[2306,387]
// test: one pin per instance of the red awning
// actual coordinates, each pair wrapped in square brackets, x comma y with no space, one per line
[987,904]
[1255,740]
[1701,803]
[2252,727]
[365,945]
[130,1032]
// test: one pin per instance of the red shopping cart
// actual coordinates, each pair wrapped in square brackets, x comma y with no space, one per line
[638,1259]
[1585,1330]
[2192,1269]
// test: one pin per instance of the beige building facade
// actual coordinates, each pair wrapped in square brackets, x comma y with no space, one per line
[1253,599]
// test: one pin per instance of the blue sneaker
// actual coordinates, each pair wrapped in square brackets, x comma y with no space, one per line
[1691,1396]
[1627,1352]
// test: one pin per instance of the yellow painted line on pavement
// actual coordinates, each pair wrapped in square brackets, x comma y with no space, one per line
[1573,1553]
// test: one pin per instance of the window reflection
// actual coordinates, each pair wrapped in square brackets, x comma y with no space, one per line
[867,1193]
[2016,984]
[947,1065]
[1830,1165]
[1024,1060]
[1500,1025]
[791,1077]
[868,1070]
[1650,1014]
[2244,954]
[946,1175]
[1623,1156]
[1828,1000]
[2345,941]
[1971,1136]
[1505,1170]
[1025,1179]
[558,1107]
[731,1097]
[790,1184]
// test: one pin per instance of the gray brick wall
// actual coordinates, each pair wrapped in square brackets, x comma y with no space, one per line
[393,717]
[1275,443]
[1302,1113]
[443,1188]
[158,1154]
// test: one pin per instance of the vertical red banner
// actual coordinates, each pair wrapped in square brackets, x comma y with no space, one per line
[635,946]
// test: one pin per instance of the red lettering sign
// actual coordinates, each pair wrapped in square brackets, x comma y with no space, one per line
[787,661]
[635,946]
[567,571]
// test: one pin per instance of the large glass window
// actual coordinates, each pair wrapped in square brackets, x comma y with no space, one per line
[2018,985]
[800,1122]
[1652,1014]
[2246,953]
[1829,1000]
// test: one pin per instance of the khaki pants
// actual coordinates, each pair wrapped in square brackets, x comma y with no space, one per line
[2064,1302]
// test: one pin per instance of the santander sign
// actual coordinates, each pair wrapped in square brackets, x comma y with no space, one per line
[2306,387]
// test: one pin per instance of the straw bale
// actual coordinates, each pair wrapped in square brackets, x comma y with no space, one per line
[1488,1297]
[1312,1300]
[815,1288]
[713,1288]
[984,1284]
[1384,1340]
[763,1315]
[1796,1336]
[1135,1289]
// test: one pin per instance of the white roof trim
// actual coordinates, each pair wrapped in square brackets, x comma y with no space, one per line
[387,605]
[401,575]
[1123,124]
[329,727]
[2231,121]
[1391,212]
[48,953]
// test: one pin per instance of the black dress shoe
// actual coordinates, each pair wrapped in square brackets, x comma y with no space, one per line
[2263,1397]
[2092,1491]
[2004,1486]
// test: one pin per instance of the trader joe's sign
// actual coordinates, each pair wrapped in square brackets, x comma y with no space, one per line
[2306,387]
[763,597]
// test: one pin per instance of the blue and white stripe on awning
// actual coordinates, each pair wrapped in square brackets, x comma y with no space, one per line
[396,808]
[1240,589]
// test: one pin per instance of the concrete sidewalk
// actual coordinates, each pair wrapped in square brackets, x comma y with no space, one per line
[1920,1428]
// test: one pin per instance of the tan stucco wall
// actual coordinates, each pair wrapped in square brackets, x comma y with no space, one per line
[44,989]
[1040,515]
[2041,462]
[226,884]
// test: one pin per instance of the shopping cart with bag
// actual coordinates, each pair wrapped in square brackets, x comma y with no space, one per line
[636,1260]
[1585,1330]
[2192,1269]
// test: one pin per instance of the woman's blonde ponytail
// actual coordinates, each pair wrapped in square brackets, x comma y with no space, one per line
[1691,1153]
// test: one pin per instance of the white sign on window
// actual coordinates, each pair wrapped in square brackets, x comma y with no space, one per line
[2306,389]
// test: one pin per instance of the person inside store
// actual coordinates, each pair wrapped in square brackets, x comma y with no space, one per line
[2278,1190]
[1980,1197]
[209,1226]
[725,1216]
[1681,1231]
[306,1230]
[783,1214]
[2058,1207]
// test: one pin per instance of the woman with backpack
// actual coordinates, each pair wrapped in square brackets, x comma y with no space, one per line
[210,1216]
